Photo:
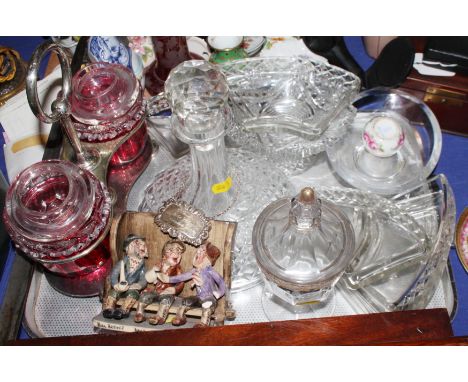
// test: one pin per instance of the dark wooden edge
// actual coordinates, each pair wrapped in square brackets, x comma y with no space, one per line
[449,341]
[11,312]
[381,328]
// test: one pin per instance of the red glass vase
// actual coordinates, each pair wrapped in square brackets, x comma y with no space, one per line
[170,51]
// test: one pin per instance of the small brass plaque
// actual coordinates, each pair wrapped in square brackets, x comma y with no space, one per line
[183,221]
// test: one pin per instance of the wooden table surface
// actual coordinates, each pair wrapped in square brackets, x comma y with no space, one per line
[418,327]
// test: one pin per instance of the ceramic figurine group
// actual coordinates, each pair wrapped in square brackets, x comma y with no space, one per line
[133,283]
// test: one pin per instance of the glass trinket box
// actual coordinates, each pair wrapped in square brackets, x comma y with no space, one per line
[302,245]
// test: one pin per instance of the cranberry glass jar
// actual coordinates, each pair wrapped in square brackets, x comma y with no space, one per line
[59,215]
[106,104]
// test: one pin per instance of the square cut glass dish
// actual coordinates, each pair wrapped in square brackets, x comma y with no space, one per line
[288,108]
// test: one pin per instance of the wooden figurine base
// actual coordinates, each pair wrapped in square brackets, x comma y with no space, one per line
[128,325]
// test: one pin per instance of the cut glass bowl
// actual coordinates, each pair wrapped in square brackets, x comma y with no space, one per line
[288,108]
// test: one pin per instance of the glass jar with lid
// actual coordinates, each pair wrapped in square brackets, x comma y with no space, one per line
[58,215]
[302,246]
[106,104]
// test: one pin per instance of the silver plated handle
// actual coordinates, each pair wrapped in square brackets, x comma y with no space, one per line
[61,106]
[31,83]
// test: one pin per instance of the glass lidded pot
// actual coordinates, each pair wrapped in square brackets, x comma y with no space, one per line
[59,215]
[106,104]
[302,246]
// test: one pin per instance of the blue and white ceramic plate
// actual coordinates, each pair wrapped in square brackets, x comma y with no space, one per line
[109,49]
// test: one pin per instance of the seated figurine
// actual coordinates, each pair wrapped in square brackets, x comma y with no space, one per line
[158,291]
[127,278]
[209,285]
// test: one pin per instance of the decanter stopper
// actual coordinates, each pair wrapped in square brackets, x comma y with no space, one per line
[197,92]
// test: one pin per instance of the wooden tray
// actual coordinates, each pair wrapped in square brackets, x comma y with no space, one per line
[446,96]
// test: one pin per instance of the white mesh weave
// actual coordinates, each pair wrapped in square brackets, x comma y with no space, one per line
[54,314]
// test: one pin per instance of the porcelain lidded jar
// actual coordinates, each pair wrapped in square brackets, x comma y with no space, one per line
[303,246]
[59,215]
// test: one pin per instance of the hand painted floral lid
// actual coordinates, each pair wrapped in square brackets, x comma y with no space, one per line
[392,145]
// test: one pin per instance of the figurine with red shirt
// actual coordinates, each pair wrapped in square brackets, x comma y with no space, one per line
[209,285]
[162,292]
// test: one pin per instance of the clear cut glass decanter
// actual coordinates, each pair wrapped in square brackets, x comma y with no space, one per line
[227,184]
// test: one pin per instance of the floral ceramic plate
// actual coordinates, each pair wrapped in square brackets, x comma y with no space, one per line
[461,238]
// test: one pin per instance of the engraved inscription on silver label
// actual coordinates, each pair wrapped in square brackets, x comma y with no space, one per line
[183,221]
